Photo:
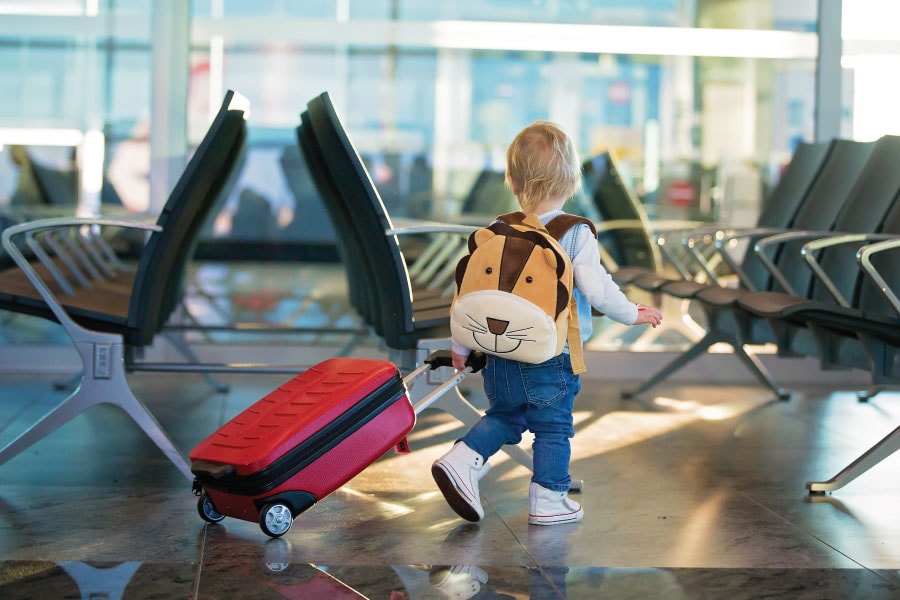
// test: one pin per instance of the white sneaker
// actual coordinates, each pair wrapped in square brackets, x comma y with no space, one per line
[552,508]
[458,582]
[457,474]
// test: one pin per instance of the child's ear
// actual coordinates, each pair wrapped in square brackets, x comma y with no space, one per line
[512,185]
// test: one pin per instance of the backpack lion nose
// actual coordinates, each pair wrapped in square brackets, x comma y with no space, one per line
[496,326]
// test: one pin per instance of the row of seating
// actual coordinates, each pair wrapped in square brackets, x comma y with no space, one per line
[816,279]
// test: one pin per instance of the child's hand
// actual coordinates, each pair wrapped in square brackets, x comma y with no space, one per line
[648,314]
[459,361]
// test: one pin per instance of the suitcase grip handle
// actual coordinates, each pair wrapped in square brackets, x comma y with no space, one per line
[211,469]
[444,358]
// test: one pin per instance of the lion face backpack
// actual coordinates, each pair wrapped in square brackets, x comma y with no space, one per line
[514,291]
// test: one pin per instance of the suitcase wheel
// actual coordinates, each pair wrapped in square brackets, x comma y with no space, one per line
[275,519]
[207,510]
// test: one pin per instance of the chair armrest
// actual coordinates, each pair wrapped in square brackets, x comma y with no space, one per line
[655,230]
[617,224]
[864,257]
[44,226]
[763,245]
[698,239]
[663,228]
[810,249]
[694,240]
[24,214]
[447,243]
[404,226]
[648,225]
[474,219]
[722,239]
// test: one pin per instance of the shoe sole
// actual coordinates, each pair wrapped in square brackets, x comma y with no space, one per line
[556,519]
[454,498]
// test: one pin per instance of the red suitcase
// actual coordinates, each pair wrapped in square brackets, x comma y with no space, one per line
[305,439]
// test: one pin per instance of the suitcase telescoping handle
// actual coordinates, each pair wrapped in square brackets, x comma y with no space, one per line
[444,358]
[435,360]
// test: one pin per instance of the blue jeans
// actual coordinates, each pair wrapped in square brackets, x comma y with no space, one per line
[539,398]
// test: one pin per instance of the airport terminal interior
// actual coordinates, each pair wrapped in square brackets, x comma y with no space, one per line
[228,193]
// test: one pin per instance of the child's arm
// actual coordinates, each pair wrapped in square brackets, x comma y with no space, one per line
[458,356]
[648,314]
[592,280]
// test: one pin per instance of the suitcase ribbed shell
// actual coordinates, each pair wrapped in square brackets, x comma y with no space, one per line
[295,411]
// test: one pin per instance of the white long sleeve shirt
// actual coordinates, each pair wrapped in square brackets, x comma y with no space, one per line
[594,286]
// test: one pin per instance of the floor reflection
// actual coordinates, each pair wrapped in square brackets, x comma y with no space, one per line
[263,580]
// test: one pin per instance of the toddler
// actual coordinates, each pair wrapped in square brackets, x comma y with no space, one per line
[543,170]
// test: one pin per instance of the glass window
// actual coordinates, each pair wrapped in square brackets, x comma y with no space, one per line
[607,12]
[429,114]
[308,9]
[871,45]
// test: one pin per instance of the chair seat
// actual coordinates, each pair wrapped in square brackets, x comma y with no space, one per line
[625,275]
[771,304]
[847,321]
[106,301]
[720,297]
[653,282]
[684,288]
[429,297]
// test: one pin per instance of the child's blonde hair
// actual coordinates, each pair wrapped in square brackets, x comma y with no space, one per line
[542,163]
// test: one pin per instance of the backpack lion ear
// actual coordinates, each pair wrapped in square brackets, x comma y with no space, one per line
[482,235]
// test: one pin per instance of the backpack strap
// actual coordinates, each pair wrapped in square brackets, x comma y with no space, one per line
[513,218]
[558,226]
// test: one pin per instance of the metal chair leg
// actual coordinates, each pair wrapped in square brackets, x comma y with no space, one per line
[677,363]
[185,350]
[104,383]
[762,373]
[874,455]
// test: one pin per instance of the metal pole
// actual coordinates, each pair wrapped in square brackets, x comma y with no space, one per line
[828,71]
[169,97]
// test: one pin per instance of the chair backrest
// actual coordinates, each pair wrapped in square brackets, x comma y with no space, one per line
[57,187]
[786,199]
[832,191]
[871,208]
[310,223]
[360,278]
[163,264]
[615,200]
[60,187]
[489,195]
[395,321]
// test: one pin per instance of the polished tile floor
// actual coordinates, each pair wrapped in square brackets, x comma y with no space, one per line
[696,491]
